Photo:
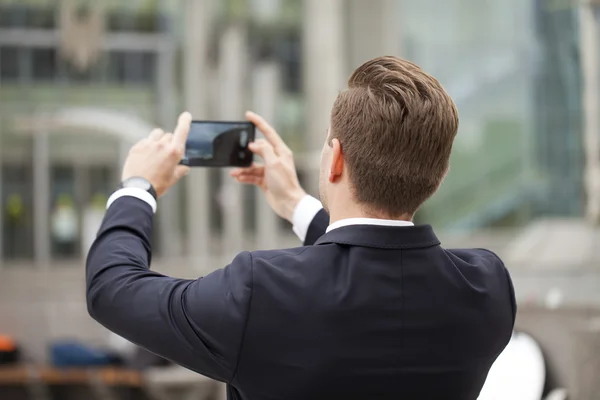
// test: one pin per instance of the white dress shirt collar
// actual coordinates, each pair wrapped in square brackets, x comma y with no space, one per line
[308,207]
[367,221]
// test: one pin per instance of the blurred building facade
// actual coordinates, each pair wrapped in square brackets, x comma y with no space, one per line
[78,85]
[80,81]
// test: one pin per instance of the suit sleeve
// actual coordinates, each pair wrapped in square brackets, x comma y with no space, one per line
[196,323]
[509,283]
[317,227]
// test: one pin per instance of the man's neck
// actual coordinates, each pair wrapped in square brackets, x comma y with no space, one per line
[337,214]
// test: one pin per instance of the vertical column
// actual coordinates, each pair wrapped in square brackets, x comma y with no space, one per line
[1,202]
[1,194]
[392,30]
[588,33]
[324,74]
[198,17]
[266,89]
[82,197]
[41,184]
[232,67]
[374,32]
[170,232]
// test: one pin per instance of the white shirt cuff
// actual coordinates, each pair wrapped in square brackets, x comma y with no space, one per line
[304,213]
[133,192]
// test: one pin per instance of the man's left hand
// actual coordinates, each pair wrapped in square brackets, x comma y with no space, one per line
[156,158]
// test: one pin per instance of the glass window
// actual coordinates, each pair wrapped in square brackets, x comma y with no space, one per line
[75,75]
[101,181]
[131,68]
[64,215]
[98,182]
[116,67]
[558,132]
[44,64]
[41,16]
[17,209]
[9,63]
[14,15]
[139,67]
[126,19]
[290,55]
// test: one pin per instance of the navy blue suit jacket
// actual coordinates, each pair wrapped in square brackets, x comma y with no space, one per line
[362,312]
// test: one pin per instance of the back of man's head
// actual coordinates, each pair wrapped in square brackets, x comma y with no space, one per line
[396,125]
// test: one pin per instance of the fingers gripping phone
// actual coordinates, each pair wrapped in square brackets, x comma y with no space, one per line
[219,144]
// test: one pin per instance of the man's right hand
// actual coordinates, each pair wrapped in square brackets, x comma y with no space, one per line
[277,177]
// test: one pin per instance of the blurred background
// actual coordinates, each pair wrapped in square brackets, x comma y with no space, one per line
[80,81]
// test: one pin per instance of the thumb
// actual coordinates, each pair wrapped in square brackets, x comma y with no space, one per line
[180,172]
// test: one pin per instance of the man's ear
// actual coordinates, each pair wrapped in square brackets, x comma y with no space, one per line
[336,168]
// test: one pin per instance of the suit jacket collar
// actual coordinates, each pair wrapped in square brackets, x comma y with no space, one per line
[383,237]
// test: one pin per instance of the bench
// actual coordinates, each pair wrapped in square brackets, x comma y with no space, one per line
[38,379]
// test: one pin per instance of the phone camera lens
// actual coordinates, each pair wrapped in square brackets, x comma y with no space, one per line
[242,154]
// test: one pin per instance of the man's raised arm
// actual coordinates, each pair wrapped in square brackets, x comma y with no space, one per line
[278,179]
[196,323]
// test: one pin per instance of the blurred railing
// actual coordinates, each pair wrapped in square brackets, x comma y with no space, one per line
[138,99]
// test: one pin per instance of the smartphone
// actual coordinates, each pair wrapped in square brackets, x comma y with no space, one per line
[219,144]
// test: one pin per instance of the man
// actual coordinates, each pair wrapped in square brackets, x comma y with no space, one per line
[371,308]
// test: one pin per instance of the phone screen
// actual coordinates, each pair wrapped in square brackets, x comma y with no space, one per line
[219,144]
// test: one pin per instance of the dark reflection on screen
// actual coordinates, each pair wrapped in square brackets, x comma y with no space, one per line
[204,137]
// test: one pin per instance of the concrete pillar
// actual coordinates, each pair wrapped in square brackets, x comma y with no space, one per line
[170,234]
[324,61]
[2,205]
[198,18]
[1,194]
[266,88]
[232,79]
[588,33]
[373,30]
[41,195]
[81,183]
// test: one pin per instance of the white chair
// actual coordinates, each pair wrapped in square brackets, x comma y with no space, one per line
[519,372]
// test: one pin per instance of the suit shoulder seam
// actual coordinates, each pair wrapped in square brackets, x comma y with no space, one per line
[302,250]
